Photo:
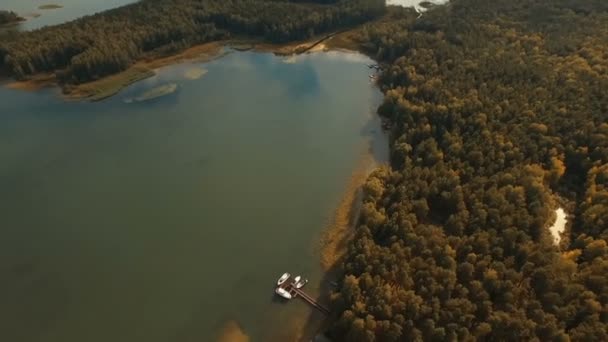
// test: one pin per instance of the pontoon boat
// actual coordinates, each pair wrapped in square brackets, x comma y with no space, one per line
[301,283]
[283,278]
[283,293]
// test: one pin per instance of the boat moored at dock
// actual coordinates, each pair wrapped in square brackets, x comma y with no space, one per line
[283,293]
[283,279]
[291,289]
[300,284]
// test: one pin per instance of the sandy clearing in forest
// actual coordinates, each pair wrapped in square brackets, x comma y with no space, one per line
[559,226]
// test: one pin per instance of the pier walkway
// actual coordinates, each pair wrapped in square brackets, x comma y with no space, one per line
[311,301]
[295,292]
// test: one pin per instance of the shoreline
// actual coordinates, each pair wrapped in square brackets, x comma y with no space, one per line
[147,66]
[339,231]
[15,22]
[332,245]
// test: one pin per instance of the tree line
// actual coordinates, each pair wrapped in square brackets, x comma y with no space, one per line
[95,46]
[499,115]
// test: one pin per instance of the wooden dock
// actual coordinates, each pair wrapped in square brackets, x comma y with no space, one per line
[295,292]
[310,300]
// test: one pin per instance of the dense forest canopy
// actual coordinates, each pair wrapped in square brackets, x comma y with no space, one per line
[7,17]
[499,110]
[95,46]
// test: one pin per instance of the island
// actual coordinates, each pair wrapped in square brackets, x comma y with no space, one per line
[49,6]
[497,114]
[154,93]
[9,17]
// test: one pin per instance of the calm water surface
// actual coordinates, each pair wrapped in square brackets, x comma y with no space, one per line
[72,9]
[161,220]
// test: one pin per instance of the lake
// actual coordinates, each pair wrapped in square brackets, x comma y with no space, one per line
[164,219]
[72,9]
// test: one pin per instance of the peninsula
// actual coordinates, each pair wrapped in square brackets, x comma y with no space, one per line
[9,17]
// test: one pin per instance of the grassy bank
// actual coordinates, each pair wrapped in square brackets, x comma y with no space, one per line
[109,86]
[34,83]
[335,238]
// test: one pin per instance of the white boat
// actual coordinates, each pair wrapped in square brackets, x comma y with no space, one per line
[295,280]
[301,283]
[283,293]
[283,279]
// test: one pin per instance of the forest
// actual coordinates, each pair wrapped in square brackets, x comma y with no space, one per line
[106,43]
[7,17]
[499,115]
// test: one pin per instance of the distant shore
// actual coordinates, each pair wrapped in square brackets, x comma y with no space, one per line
[144,68]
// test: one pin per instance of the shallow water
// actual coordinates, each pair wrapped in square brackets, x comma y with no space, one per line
[162,220]
[72,9]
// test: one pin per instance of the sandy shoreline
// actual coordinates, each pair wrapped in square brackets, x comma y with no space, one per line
[338,233]
[332,247]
